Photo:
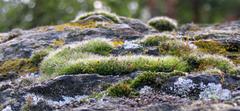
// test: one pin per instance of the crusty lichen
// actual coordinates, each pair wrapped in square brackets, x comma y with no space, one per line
[163,23]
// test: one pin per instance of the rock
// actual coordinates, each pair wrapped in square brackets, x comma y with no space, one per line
[71,85]
[192,85]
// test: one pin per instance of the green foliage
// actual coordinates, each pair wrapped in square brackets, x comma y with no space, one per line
[97,46]
[119,90]
[163,23]
[105,14]
[154,40]
[175,47]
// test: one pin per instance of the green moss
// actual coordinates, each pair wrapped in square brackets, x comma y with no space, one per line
[154,40]
[215,61]
[163,23]
[39,56]
[97,46]
[153,79]
[20,66]
[211,46]
[119,90]
[175,47]
[108,15]
[124,65]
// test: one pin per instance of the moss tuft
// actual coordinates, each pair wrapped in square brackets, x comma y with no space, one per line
[154,40]
[98,46]
[119,90]
[163,23]
[153,79]
[39,56]
[175,47]
[107,15]
[216,61]
[121,65]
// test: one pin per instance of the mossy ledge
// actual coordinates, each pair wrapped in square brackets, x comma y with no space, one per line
[163,23]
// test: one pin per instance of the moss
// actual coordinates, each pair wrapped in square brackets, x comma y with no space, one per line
[153,79]
[76,25]
[154,40]
[58,42]
[20,66]
[119,90]
[216,61]
[211,46]
[175,47]
[97,46]
[163,23]
[108,15]
[38,56]
[123,65]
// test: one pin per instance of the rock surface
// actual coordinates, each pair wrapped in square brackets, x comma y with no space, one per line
[88,91]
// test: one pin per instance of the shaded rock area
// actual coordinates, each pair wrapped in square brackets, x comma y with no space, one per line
[195,91]
[71,85]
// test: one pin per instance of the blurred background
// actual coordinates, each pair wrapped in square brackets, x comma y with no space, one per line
[31,13]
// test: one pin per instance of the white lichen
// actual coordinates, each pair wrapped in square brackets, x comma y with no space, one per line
[146,90]
[215,91]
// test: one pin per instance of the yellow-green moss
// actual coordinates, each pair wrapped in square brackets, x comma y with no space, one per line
[154,40]
[153,79]
[20,66]
[175,47]
[211,46]
[76,25]
[119,90]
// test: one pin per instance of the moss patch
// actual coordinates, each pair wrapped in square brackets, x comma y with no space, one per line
[76,25]
[175,47]
[20,66]
[154,40]
[211,46]
[119,90]
[163,23]
[108,15]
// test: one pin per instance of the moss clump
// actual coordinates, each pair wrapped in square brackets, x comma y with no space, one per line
[106,15]
[98,46]
[154,79]
[20,66]
[121,65]
[211,46]
[39,56]
[163,23]
[154,40]
[175,47]
[119,90]
[216,61]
